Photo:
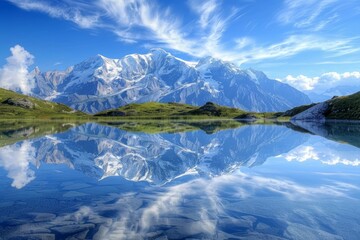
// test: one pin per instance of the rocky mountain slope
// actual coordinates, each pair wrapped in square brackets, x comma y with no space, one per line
[101,83]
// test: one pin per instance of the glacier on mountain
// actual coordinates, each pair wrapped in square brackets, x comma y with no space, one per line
[101,83]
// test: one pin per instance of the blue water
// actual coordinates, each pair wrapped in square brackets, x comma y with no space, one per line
[95,181]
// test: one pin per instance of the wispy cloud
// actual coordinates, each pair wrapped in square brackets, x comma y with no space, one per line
[136,20]
[14,75]
[208,206]
[337,62]
[306,13]
[156,25]
[205,9]
[71,11]
[291,46]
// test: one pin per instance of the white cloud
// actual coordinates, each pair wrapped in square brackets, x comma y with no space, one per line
[145,20]
[136,20]
[70,12]
[341,62]
[293,45]
[244,42]
[161,28]
[14,75]
[15,159]
[323,82]
[205,9]
[306,13]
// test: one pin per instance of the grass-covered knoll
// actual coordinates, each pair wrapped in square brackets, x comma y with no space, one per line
[164,126]
[214,110]
[17,106]
[15,131]
[155,110]
[344,108]
[148,110]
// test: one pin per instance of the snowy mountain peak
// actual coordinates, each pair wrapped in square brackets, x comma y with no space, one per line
[159,51]
[255,75]
[158,55]
[90,63]
[100,56]
[210,62]
[101,83]
[207,61]
[36,70]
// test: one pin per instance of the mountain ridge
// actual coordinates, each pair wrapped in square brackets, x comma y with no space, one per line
[100,83]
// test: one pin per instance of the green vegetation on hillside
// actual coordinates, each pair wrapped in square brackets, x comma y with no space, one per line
[17,106]
[346,107]
[337,108]
[155,110]
[148,110]
[296,110]
[214,110]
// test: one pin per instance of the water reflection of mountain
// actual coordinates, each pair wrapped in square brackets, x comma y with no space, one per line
[347,132]
[14,131]
[101,151]
[161,126]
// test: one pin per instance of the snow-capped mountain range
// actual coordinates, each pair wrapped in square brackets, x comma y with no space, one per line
[101,83]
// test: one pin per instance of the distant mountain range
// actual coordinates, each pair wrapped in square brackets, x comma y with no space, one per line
[101,83]
[331,92]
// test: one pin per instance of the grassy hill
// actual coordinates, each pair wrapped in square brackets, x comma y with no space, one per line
[346,107]
[337,108]
[155,110]
[17,106]
[296,110]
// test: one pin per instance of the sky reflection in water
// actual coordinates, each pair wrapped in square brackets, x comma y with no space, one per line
[255,181]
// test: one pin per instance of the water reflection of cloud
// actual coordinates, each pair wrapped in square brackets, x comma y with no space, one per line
[261,207]
[197,207]
[327,152]
[15,159]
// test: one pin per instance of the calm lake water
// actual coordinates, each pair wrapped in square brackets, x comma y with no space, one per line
[207,180]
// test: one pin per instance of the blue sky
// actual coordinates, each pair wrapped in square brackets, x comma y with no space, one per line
[279,37]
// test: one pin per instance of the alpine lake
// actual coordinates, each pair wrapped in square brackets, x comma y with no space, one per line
[179,180]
